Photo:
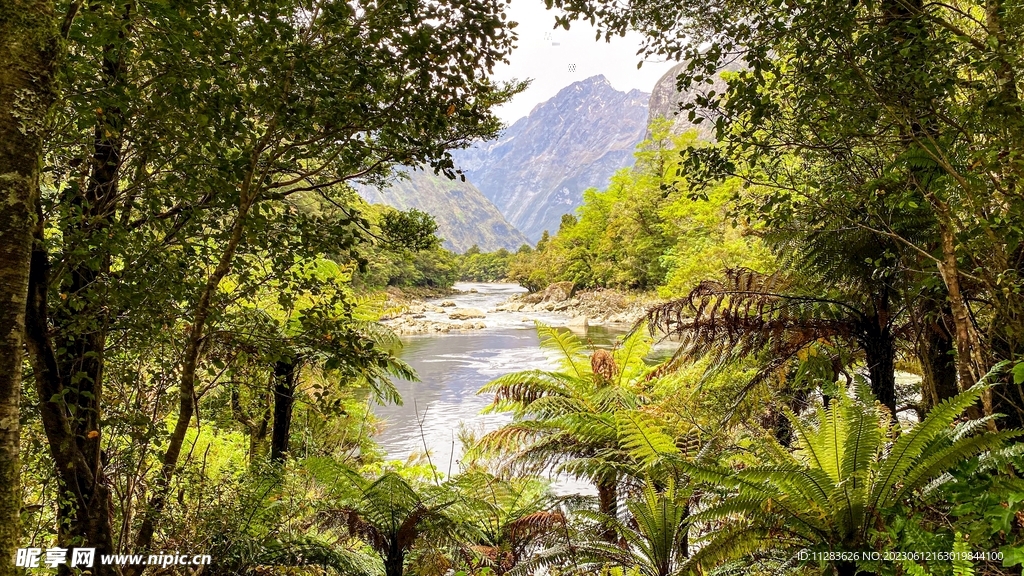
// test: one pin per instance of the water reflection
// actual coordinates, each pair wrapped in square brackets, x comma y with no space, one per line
[452,367]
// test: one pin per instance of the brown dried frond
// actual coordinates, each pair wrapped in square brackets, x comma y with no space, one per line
[603,365]
[535,524]
[746,313]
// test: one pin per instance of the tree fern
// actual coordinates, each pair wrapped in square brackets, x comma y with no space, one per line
[572,357]
[567,420]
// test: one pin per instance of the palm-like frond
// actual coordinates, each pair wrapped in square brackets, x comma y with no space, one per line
[643,440]
[907,449]
[388,512]
[839,479]
[753,315]
[565,420]
[651,543]
[748,311]
[572,357]
[629,357]
[312,552]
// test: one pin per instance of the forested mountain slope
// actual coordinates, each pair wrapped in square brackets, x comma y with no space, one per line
[464,216]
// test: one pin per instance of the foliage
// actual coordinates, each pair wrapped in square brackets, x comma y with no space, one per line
[198,246]
[896,120]
[405,253]
[644,231]
[652,543]
[848,472]
[569,418]
[477,266]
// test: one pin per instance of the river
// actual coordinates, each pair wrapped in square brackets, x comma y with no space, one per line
[452,367]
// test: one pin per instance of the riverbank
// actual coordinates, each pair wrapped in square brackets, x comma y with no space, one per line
[476,306]
[598,307]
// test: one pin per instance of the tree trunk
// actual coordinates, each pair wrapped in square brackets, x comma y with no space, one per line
[394,562]
[28,41]
[938,363]
[285,377]
[684,540]
[880,353]
[846,568]
[86,501]
[969,362]
[257,428]
[69,377]
[608,502]
[189,364]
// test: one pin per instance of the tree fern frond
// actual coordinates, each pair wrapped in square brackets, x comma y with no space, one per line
[734,542]
[909,446]
[572,353]
[745,506]
[308,551]
[863,439]
[642,439]
[795,482]
[629,357]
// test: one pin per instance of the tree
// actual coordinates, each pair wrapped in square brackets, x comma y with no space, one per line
[843,479]
[324,329]
[28,51]
[653,542]
[891,106]
[750,314]
[513,517]
[188,133]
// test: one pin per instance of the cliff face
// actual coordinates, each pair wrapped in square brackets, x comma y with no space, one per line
[666,100]
[537,170]
[464,216]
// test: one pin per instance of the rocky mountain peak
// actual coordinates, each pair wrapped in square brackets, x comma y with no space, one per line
[538,168]
[666,100]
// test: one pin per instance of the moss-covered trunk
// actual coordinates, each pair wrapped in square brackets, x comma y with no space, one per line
[28,35]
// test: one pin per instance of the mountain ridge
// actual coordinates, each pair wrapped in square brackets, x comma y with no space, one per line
[464,216]
[538,168]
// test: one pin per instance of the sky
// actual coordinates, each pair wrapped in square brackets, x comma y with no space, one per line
[556,58]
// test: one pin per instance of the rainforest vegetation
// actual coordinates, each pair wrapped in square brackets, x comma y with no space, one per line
[191,293]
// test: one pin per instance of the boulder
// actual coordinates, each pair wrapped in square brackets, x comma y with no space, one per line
[579,322]
[447,304]
[466,314]
[558,292]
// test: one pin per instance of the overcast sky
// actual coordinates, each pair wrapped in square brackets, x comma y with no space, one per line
[548,57]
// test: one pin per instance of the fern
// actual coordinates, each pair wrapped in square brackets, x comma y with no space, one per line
[840,481]
[642,440]
[962,566]
[909,446]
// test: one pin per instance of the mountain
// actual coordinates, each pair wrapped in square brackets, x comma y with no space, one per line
[464,216]
[538,168]
[666,100]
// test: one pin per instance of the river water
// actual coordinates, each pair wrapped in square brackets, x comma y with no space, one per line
[453,367]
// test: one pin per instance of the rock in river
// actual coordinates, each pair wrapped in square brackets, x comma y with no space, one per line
[466,314]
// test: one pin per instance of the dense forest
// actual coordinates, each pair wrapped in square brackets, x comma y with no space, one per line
[193,292]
